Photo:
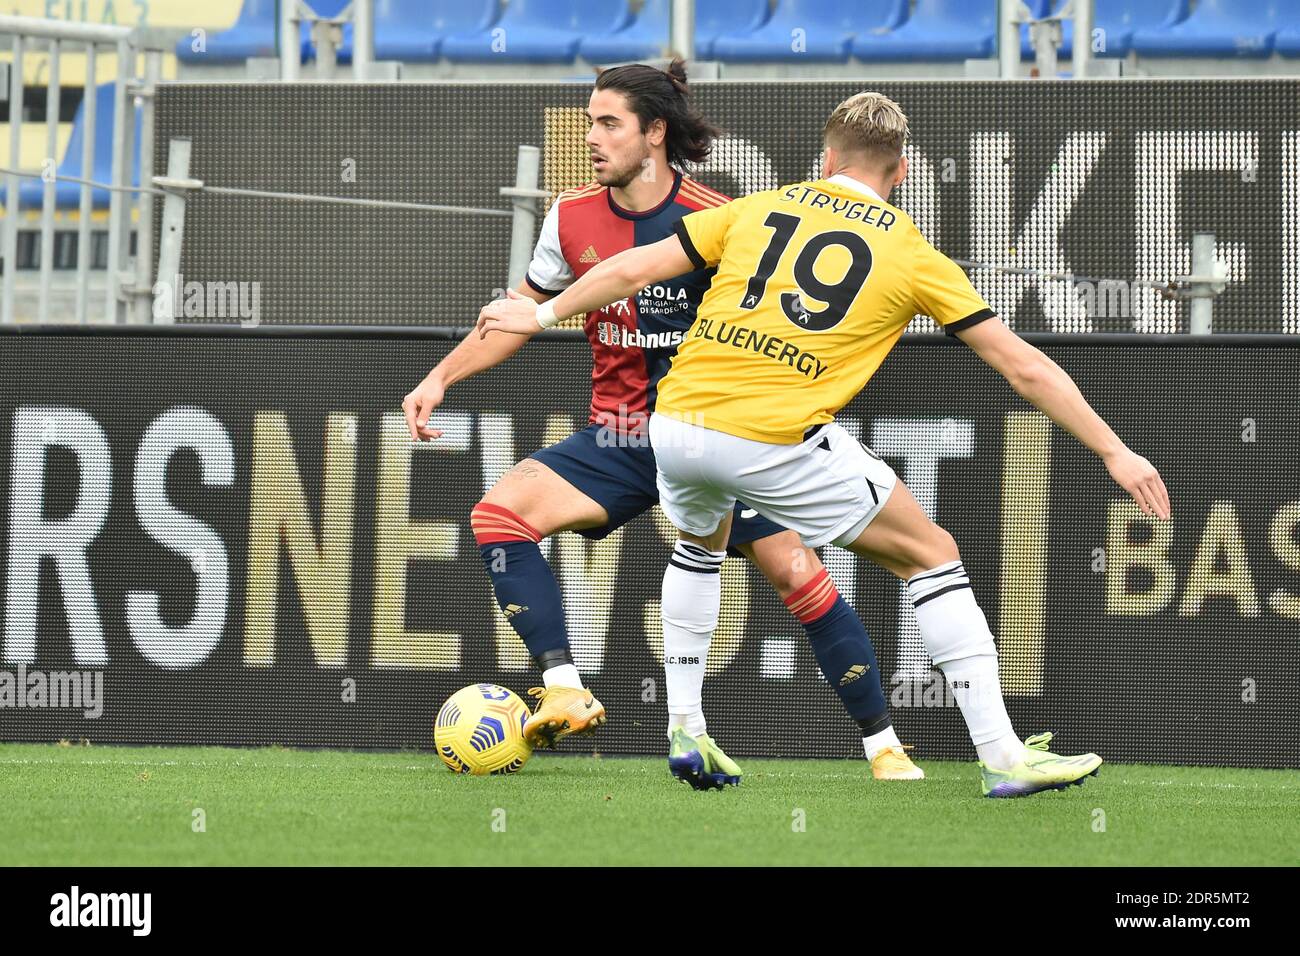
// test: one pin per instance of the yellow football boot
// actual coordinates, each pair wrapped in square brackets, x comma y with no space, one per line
[562,711]
[893,763]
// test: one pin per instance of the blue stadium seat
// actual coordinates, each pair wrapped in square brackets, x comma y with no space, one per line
[1117,19]
[718,18]
[1287,20]
[937,30]
[31,192]
[1218,28]
[539,31]
[412,31]
[803,31]
[644,38]
[253,34]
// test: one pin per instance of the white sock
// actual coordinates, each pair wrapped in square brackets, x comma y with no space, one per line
[692,597]
[975,685]
[957,636]
[881,741]
[562,675]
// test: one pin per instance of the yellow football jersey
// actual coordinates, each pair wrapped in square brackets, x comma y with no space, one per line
[815,284]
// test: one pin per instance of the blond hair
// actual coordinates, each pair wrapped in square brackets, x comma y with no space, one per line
[869,124]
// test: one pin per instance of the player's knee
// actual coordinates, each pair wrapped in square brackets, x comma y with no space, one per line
[925,551]
[506,495]
[941,549]
[787,567]
[790,576]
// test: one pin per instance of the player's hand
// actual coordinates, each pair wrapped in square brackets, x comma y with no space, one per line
[515,313]
[1140,479]
[419,404]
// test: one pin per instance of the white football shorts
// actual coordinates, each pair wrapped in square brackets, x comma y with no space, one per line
[827,488]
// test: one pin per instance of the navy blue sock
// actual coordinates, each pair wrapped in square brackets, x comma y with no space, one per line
[525,587]
[843,651]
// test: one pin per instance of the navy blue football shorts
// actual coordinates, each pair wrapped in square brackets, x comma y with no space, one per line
[617,471]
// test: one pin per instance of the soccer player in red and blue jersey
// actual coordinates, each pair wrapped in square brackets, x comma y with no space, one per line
[643,132]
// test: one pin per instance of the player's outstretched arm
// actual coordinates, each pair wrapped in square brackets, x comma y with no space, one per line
[1039,380]
[472,355]
[616,278]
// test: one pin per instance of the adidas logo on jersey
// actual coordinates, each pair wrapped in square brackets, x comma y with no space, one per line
[589,255]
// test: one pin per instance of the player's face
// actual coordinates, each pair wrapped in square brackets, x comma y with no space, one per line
[619,150]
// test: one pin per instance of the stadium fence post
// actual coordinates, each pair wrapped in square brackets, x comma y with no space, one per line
[290,39]
[47,193]
[327,54]
[363,38]
[1010,13]
[90,99]
[1203,265]
[681,30]
[1045,37]
[142,288]
[172,233]
[1081,53]
[119,219]
[11,189]
[523,198]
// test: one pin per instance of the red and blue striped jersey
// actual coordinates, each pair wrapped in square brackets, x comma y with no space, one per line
[632,341]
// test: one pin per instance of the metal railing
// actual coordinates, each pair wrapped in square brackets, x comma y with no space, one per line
[327,35]
[1045,35]
[525,201]
[126,294]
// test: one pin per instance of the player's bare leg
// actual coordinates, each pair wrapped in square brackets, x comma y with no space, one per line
[545,500]
[528,503]
[840,643]
[904,540]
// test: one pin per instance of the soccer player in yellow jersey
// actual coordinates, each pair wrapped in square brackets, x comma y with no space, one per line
[815,283]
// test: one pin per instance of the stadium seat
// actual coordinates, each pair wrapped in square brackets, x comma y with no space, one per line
[539,31]
[644,38]
[1118,19]
[1287,19]
[1218,28]
[31,192]
[803,31]
[410,32]
[253,34]
[942,30]
[719,18]
[648,34]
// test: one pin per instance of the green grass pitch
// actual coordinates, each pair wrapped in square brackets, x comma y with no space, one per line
[137,806]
